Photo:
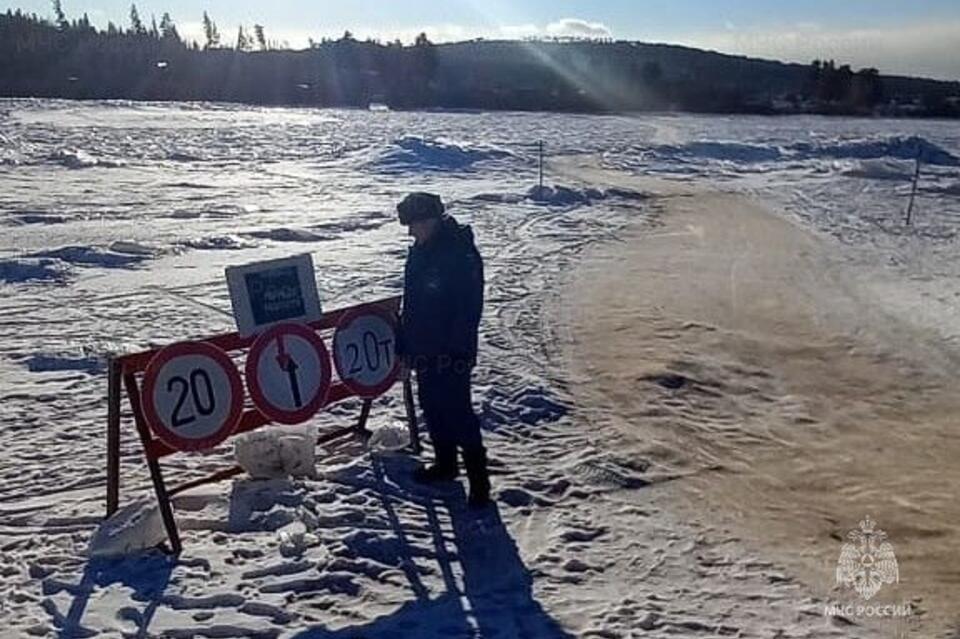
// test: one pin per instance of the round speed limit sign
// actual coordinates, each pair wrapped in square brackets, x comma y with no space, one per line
[363,352]
[192,396]
[288,373]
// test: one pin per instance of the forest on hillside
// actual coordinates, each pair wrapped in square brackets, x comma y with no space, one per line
[149,60]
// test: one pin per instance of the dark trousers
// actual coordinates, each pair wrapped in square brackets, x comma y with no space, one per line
[444,394]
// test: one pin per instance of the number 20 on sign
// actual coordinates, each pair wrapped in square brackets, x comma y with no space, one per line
[192,396]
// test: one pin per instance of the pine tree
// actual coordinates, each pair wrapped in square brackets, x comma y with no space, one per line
[136,25]
[210,32]
[244,42]
[261,38]
[59,16]
[168,30]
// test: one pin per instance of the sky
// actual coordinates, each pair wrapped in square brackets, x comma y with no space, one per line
[921,37]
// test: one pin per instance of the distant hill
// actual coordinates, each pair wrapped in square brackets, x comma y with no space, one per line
[74,60]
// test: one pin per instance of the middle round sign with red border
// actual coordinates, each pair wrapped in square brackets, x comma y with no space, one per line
[288,373]
[364,346]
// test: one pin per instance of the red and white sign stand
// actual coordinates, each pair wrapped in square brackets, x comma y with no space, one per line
[192,396]
[288,373]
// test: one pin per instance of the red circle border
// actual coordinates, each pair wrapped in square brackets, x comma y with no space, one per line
[256,393]
[368,392]
[156,424]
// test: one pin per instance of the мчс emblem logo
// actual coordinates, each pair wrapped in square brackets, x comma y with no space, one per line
[867,561]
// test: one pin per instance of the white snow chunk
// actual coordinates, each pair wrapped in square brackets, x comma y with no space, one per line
[389,439]
[78,159]
[131,529]
[276,452]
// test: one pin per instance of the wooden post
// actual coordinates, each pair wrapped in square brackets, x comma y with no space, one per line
[113,435]
[913,191]
[540,145]
[163,499]
[411,416]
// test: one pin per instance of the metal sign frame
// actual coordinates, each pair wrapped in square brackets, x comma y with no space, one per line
[125,373]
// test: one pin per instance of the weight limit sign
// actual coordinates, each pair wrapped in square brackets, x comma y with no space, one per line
[364,352]
[288,373]
[192,396]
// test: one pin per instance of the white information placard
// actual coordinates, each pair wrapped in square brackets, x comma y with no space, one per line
[273,291]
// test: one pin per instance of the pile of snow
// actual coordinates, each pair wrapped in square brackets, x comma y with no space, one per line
[45,362]
[182,156]
[896,147]
[217,243]
[15,271]
[131,529]
[278,451]
[133,248]
[93,256]
[565,196]
[389,439]
[10,158]
[738,152]
[77,159]
[31,217]
[557,195]
[417,154]
[282,234]
[949,189]
[883,169]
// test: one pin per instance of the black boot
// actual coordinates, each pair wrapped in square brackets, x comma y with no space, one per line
[475,462]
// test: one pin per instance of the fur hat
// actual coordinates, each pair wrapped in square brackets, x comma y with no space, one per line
[420,206]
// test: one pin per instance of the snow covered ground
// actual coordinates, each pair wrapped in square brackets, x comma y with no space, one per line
[118,219]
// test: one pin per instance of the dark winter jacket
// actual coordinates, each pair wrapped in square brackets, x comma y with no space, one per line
[442,297]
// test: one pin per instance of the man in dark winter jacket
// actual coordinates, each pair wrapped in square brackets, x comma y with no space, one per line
[442,303]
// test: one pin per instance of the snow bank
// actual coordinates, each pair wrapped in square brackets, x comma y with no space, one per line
[31,217]
[948,189]
[879,169]
[77,159]
[217,243]
[565,196]
[417,154]
[45,362]
[901,148]
[21,270]
[133,248]
[557,195]
[718,150]
[278,451]
[93,256]
[894,148]
[131,529]
[282,234]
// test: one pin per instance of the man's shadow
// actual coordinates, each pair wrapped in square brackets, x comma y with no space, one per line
[493,597]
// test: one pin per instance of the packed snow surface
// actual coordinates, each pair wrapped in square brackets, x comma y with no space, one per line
[118,220]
